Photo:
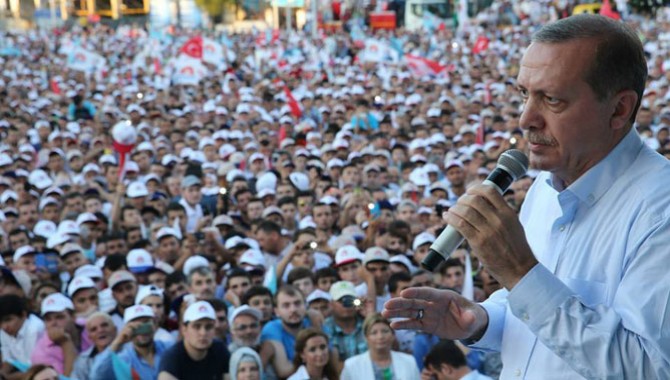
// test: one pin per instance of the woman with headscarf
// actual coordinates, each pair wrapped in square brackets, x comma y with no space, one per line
[245,364]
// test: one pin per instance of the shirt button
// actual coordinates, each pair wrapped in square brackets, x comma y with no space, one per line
[517,373]
[562,228]
[591,198]
[525,317]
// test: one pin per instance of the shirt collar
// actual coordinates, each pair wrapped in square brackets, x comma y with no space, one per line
[593,184]
[338,329]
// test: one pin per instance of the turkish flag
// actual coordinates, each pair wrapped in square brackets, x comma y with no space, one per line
[193,47]
[55,88]
[420,66]
[292,103]
[607,11]
[481,45]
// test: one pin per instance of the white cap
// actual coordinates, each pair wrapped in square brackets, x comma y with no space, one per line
[453,163]
[71,248]
[347,254]
[145,291]
[120,276]
[318,294]
[90,271]
[264,193]
[131,166]
[299,180]
[222,220]
[402,259]
[194,262]
[40,179]
[57,239]
[86,217]
[271,210]
[45,228]
[137,311]
[267,181]
[166,231]
[7,195]
[79,283]
[329,200]
[246,310]
[55,303]
[252,257]
[236,241]
[137,189]
[199,310]
[375,254]
[91,167]
[421,239]
[139,260]
[68,227]
[22,251]
[341,289]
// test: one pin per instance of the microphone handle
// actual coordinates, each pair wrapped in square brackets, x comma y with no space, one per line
[450,237]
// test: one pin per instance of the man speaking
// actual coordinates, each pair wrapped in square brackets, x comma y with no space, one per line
[584,265]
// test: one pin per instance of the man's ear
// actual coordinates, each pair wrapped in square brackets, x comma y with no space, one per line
[446,369]
[624,105]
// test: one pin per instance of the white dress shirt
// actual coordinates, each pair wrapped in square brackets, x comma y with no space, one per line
[597,306]
[20,347]
[193,215]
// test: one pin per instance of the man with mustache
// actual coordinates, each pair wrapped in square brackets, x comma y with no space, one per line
[245,328]
[278,336]
[585,293]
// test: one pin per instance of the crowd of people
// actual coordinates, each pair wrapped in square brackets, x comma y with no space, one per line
[265,214]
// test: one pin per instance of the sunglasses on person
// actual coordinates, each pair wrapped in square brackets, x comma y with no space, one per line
[349,301]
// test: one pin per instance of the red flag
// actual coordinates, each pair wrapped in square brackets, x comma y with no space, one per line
[157,66]
[479,137]
[607,11]
[292,103]
[481,45]
[420,66]
[193,47]
[55,88]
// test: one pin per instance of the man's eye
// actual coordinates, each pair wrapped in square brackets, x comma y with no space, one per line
[552,101]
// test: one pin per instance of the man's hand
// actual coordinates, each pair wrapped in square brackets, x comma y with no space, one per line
[231,297]
[493,230]
[427,374]
[58,335]
[203,222]
[445,313]
[120,188]
[124,336]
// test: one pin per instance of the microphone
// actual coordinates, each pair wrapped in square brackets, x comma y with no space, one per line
[512,164]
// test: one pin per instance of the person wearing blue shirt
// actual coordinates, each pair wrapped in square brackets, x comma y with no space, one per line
[585,287]
[363,119]
[80,109]
[278,336]
[134,347]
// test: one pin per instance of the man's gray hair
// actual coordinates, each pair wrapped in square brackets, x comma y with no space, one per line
[619,62]
[202,271]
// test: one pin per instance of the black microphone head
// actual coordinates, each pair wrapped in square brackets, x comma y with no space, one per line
[432,260]
[515,162]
